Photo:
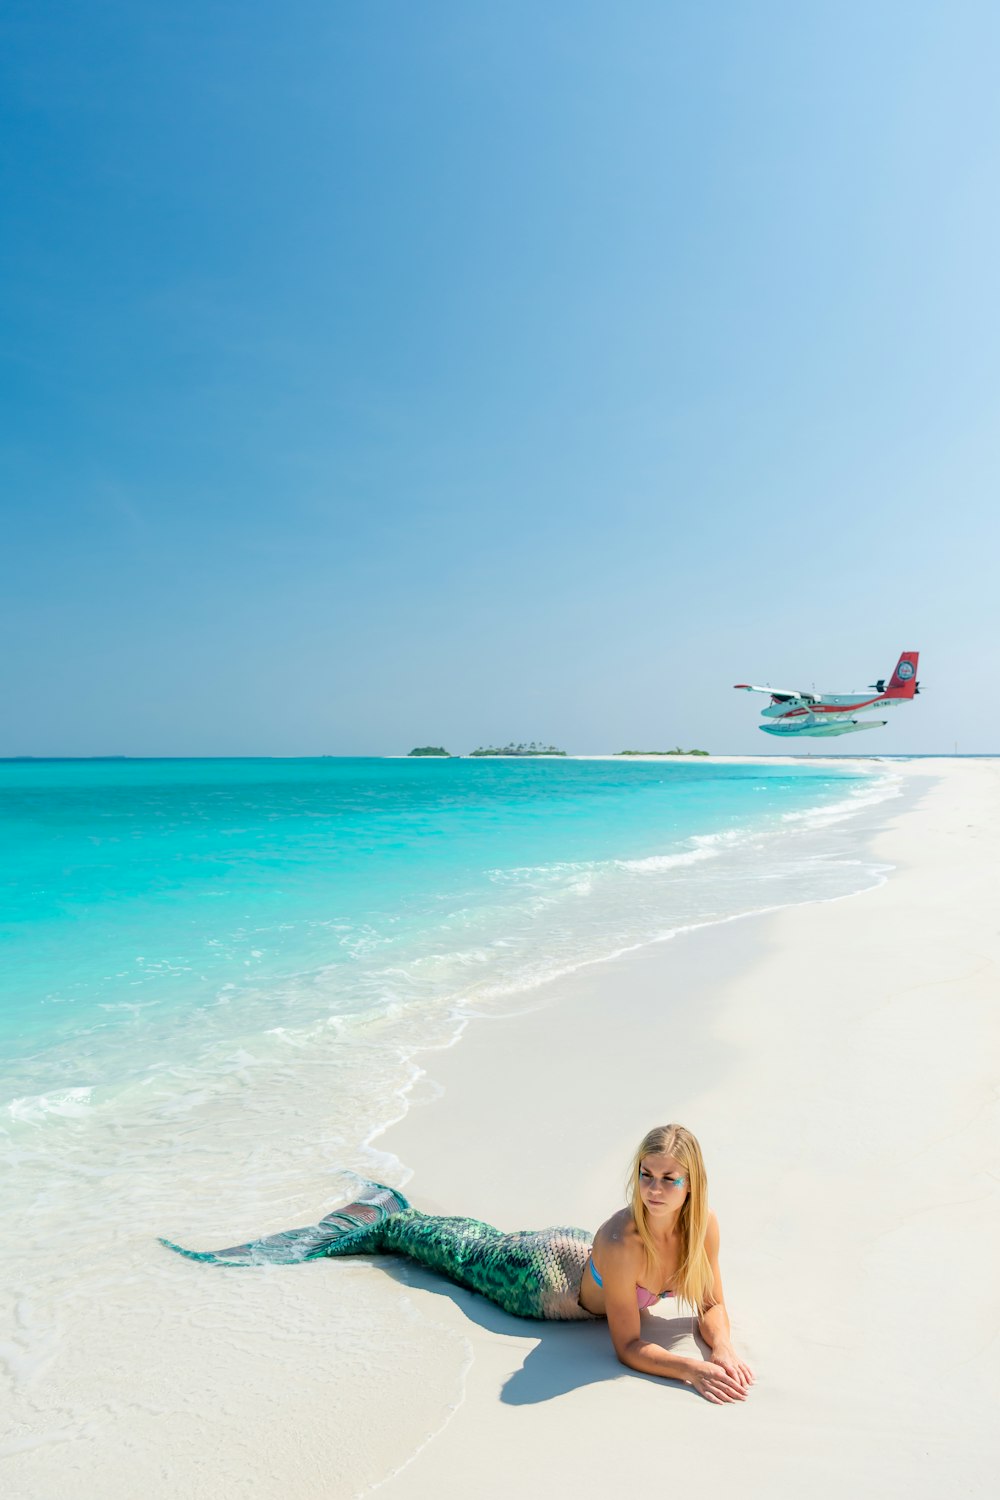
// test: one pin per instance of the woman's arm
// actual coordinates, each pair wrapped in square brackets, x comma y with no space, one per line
[620,1270]
[713,1322]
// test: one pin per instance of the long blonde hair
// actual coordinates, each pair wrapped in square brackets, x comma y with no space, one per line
[693,1281]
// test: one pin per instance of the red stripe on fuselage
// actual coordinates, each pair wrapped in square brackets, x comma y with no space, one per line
[845,708]
[832,708]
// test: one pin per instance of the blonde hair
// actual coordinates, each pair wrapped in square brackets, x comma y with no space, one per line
[693,1281]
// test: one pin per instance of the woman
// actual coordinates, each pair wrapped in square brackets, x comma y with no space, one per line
[666,1237]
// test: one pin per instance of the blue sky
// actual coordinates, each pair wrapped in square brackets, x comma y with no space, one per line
[380,374]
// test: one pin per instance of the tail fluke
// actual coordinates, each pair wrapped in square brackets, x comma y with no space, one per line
[903,682]
[375,1204]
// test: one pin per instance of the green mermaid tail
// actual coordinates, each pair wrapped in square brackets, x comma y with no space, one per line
[530,1273]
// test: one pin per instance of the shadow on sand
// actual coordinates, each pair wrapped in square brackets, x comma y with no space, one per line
[560,1357]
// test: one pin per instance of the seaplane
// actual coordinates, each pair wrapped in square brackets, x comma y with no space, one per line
[796,712]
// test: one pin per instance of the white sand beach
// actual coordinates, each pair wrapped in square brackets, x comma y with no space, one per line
[838,1062]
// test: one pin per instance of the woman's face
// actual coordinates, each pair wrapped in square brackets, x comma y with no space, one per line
[663,1185]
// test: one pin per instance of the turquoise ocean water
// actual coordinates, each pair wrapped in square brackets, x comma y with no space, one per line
[158,913]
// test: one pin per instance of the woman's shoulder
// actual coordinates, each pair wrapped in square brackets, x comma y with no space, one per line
[618,1237]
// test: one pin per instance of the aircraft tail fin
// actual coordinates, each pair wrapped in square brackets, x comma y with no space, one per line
[903,682]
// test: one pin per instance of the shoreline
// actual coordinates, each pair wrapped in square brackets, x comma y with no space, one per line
[525,998]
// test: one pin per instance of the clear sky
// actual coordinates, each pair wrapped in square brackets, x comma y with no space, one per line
[380,374]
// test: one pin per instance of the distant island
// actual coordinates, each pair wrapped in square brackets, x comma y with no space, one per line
[678,751]
[512,749]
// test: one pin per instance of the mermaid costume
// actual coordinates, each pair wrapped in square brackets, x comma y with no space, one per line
[530,1273]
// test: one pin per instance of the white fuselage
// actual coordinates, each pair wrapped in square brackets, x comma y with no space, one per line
[829,706]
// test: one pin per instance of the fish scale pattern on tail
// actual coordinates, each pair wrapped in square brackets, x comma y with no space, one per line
[531,1273]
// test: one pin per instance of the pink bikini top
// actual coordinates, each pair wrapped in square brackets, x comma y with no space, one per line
[643,1295]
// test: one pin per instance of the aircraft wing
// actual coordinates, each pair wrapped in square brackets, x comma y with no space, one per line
[782,694]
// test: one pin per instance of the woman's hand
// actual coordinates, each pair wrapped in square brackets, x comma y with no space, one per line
[725,1355]
[717,1384]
